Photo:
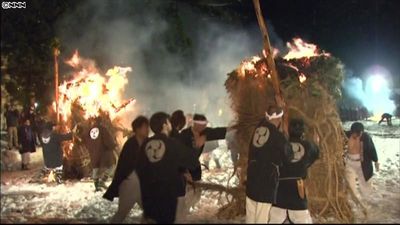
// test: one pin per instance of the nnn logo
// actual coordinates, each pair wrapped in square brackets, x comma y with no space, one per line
[13,5]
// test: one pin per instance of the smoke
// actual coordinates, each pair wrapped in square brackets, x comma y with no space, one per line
[373,92]
[141,34]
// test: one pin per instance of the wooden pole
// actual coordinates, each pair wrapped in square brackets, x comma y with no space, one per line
[56,53]
[271,64]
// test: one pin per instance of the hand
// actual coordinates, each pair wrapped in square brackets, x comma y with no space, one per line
[377,166]
[188,177]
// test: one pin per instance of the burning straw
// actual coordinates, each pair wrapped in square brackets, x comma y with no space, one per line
[310,84]
[88,95]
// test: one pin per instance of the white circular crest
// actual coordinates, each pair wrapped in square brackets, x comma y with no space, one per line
[94,133]
[298,151]
[46,140]
[261,136]
[155,150]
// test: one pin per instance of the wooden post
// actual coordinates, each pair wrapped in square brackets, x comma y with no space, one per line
[271,64]
[56,53]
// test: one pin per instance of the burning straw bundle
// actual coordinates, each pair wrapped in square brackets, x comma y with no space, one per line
[310,86]
[88,95]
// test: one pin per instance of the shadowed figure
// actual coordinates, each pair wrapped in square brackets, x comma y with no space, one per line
[387,117]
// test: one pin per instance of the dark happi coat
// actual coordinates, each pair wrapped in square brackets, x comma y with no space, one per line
[269,149]
[26,139]
[187,138]
[52,151]
[127,163]
[369,155]
[305,154]
[159,161]
[101,145]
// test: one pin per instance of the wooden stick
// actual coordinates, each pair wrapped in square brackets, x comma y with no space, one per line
[271,64]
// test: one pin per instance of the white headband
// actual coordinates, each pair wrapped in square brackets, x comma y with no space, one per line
[274,115]
[200,122]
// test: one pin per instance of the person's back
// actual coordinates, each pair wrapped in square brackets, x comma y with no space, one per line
[158,169]
[268,150]
[51,143]
[291,199]
[266,154]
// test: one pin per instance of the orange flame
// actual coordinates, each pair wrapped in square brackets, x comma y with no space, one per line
[74,61]
[248,66]
[93,91]
[302,77]
[300,49]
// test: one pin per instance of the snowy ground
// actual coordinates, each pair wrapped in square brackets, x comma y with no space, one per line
[75,201]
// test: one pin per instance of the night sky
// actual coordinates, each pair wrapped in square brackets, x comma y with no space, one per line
[361,33]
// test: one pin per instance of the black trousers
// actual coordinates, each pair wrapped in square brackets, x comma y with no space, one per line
[161,209]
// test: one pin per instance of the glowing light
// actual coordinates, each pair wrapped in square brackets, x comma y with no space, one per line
[377,82]
[302,78]
[374,92]
[220,112]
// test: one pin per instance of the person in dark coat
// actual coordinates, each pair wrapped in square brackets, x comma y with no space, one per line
[30,112]
[125,184]
[178,122]
[101,145]
[27,143]
[387,117]
[291,201]
[269,149]
[12,116]
[52,151]
[158,168]
[360,154]
[195,133]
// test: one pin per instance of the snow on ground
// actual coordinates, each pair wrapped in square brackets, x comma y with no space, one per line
[76,201]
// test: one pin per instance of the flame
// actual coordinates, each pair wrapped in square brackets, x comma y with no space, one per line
[74,61]
[93,91]
[51,177]
[300,49]
[275,52]
[302,78]
[249,65]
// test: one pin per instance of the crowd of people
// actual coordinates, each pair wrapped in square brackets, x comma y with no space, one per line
[157,172]
[22,130]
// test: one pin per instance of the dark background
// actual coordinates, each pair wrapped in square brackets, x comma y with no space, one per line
[361,33]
